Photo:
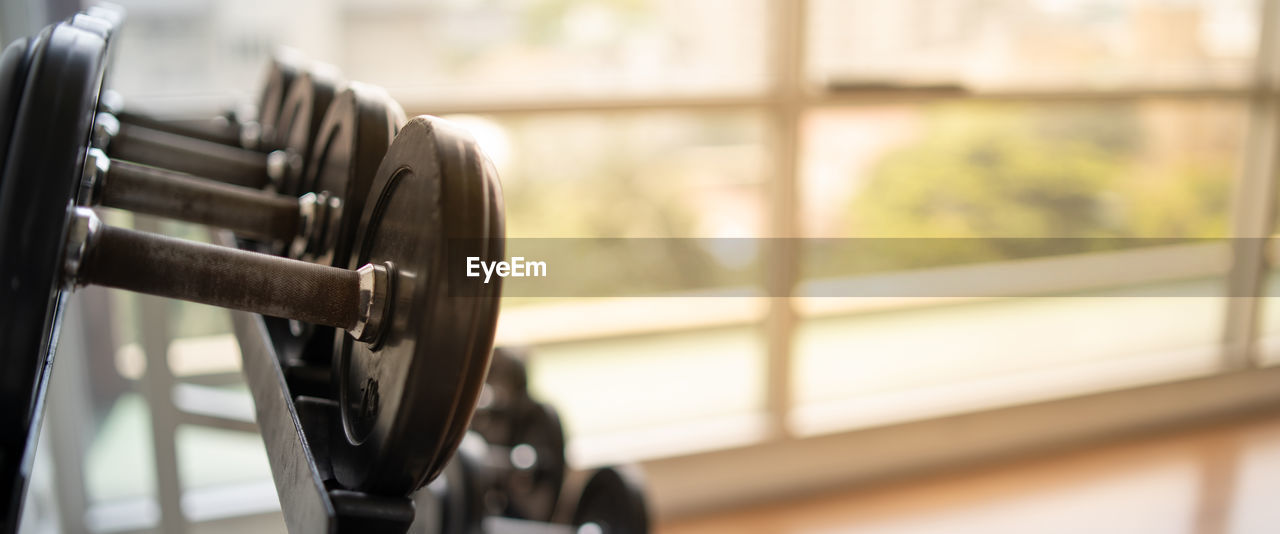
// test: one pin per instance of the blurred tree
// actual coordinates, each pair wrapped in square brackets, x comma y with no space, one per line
[1036,175]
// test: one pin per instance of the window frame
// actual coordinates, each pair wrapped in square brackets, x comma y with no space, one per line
[1239,384]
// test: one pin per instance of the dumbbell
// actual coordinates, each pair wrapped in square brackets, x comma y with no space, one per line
[317,226]
[351,140]
[416,332]
[281,165]
[281,143]
[611,502]
[526,440]
[226,129]
[253,130]
[505,396]
[527,472]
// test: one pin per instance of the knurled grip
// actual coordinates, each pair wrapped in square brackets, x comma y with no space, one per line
[195,156]
[154,191]
[205,130]
[221,276]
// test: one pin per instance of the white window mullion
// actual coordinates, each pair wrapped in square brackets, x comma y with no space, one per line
[1253,205]
[782,263]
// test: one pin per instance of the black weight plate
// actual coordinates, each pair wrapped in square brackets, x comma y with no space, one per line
[42,172]
[300,118]
[505,394]
[613,499]
[463,494]
[407,399]
[353,138]
[282,71]
[14,63]
[509,373]
[357,129]
[533,493]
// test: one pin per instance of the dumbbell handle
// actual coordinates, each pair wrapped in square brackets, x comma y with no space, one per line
[164,193]
[103,255]
[224,133]
[216,161]
[225,129]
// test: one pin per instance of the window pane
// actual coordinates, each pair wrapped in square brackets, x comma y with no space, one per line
[120,463]
[988,182]
[630,366]
[1151,169]
[612,203]
[650,382]
[557,48]
[201,52]
[859,370]
[1032,44]
[651,175]
[211,457]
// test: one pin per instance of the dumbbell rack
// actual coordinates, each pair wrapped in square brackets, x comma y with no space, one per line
[294,430]
[383,446]
[293,435]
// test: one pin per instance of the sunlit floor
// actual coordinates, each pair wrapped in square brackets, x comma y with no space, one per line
[1219,479]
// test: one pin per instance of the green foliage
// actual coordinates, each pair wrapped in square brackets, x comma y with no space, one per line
[1003,171]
